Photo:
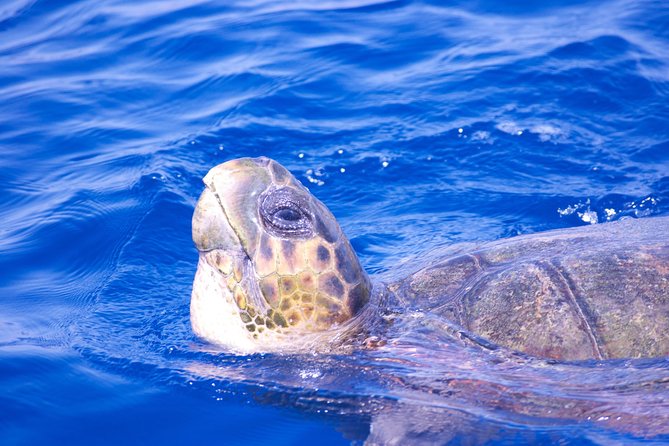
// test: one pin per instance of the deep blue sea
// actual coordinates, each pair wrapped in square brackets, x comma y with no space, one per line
[420,124]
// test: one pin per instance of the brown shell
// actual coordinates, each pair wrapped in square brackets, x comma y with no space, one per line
[590,292]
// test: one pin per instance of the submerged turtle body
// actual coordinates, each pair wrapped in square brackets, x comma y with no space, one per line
[276,273]
[589,292]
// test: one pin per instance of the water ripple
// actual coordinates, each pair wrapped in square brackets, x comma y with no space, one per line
[425,128]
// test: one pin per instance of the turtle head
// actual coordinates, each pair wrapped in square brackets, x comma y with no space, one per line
[274,267]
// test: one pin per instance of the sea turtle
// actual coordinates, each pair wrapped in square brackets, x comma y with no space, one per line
[276,273]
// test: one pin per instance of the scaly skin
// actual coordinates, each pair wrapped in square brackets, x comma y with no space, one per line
[258,289]
[595,292]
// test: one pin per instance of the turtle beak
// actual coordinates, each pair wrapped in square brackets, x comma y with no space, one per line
[226,215]
[211,229]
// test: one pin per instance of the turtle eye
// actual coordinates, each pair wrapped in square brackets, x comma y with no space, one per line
[287,218]
[285,213]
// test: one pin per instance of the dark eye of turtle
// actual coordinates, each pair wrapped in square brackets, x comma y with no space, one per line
[285,213]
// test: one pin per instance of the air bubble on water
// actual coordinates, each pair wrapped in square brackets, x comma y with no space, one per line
[312,374]
[588,216]
[569,209]
[643,207]
[460,130]
[220,147]
[300,155]
[340,151]
[637,208]
[310,177]
[342,169]
[384,164]
[582,210]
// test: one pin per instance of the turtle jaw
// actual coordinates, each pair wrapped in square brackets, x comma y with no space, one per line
[213,312]
[225,301]
[215,298]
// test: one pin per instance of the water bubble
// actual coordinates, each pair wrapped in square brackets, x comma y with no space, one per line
[588,216]
[384,163]
[304,374]
[582,210]
[300,155]
[310,177]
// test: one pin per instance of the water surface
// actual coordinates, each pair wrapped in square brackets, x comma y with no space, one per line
[419,125]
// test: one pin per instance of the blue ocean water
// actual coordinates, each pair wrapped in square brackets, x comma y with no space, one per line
[420,125]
